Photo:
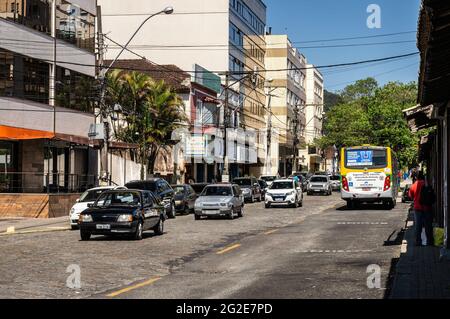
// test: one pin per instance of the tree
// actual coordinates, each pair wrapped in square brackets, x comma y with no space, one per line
[150,111]
[330,100]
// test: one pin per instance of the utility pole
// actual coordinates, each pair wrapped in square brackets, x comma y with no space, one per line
[226,169]
[295,142]
[269,131]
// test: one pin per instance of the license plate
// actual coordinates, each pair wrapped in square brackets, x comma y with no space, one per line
[366,189]
[278,199]
[100,226]
[211,212]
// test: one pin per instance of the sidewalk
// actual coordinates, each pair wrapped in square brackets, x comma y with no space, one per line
[27,225]
[419,274]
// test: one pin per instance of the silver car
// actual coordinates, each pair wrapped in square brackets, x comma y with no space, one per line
[220,200]
[319,184]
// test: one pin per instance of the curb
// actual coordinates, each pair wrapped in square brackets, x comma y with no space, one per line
[45,230]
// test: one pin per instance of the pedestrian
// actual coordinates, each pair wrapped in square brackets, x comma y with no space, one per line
[423,196]
[414,175]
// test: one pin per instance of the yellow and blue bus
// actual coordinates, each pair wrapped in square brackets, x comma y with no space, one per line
[369,174]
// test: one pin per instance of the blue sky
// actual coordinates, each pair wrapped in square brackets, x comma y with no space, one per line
[309,20]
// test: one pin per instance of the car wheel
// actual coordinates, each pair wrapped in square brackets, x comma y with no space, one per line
[139,231]
[197,217]
[186,210]
[73,227]
[300,204]
[253,199]
[241,212]
[267,205]
[159,228]
[231,215]
[172,213]
[350,204]
[85,235]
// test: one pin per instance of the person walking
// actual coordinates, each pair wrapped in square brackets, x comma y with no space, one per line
[414,175]
[423,196]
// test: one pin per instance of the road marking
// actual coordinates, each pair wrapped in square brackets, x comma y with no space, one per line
[271,231]
[127,289]
[362,223]
[328,251]
[225,250]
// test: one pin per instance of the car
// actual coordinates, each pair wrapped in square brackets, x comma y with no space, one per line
[123,212]
[319,184]
[269,178]
[88,197]
[284,192]
[301,179]
[198,187]
[185,197]
[218,200]
[405,194]
[335,182]
[161,189]
[264,187]
[250,188]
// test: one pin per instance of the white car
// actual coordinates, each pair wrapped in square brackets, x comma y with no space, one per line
[284,192]
[88,197]
[269,178]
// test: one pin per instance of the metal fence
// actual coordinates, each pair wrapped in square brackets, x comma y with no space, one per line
[46,182]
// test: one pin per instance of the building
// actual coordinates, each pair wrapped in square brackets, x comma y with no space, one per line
[288,100]
[312,156]
[47,72]
[223,36]
[432,110]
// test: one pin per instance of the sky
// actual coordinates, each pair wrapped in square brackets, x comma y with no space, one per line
[311,20]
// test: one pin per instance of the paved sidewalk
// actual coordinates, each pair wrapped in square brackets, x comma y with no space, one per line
[23,225]
[419,274]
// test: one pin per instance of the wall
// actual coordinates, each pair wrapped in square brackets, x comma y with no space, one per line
[31,155]
[123,169]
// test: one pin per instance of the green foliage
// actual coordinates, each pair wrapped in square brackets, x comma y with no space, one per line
[373,115]
[150,112]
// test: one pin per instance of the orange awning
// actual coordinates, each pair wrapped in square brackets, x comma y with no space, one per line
[15,133]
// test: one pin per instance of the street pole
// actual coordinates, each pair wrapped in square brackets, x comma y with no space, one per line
[269,133]
[104,113]
[226,169]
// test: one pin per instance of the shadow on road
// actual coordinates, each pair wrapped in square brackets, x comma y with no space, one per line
[374,206]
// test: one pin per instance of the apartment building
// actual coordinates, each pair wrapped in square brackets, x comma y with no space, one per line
[312,156]
[221,35]
[288,100]
[47,69]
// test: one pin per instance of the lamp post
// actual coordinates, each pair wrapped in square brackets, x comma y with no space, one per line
[105,170]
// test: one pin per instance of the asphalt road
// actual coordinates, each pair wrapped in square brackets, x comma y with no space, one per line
[318,251]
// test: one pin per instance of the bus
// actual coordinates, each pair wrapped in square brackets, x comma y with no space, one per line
[369,174]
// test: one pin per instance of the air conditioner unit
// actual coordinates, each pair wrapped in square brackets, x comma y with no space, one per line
[96,132]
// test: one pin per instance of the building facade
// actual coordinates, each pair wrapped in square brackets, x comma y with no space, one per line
[224,36]
[312,158]
[287,101]
[47,72]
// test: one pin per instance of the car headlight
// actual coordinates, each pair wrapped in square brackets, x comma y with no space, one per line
[178,202]
[72,211]
[86,218]
[125,218]
[269,194]
[290,193]
[226,204]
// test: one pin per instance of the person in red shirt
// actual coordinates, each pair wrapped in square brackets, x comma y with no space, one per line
[423,215]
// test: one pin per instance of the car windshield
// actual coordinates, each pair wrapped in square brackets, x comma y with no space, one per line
[179,190]
[318,179]
[282,185]
[148,186]
[217,191]
[243,181]
[118,199]
[335,178]
[268,178]
[91,195]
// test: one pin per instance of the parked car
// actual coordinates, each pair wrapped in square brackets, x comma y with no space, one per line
[319,184]
[264,187]
[160,188]
[335,182]
[269,178]
[123,212]
[185,197]
[405,194]
[250,188]
[88,197]
[284,192]
[220,200]
[198,187]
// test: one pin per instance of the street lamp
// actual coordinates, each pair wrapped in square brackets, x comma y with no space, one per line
[105,173]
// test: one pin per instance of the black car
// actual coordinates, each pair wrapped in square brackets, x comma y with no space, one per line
[123,212]
[185,197]
[160,188]
[264,187]
[405,195]
[250,188]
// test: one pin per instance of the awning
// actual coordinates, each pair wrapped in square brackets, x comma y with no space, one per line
[419,117]
[16,133]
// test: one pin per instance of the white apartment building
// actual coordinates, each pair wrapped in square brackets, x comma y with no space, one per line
[288,100]
[311,156]
[221,35]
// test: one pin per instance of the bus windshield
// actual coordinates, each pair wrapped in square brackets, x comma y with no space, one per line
[365,158]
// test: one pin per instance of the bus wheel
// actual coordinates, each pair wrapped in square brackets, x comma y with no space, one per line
[350,204]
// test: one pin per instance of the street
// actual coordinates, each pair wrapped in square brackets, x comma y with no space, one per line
[320,250]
